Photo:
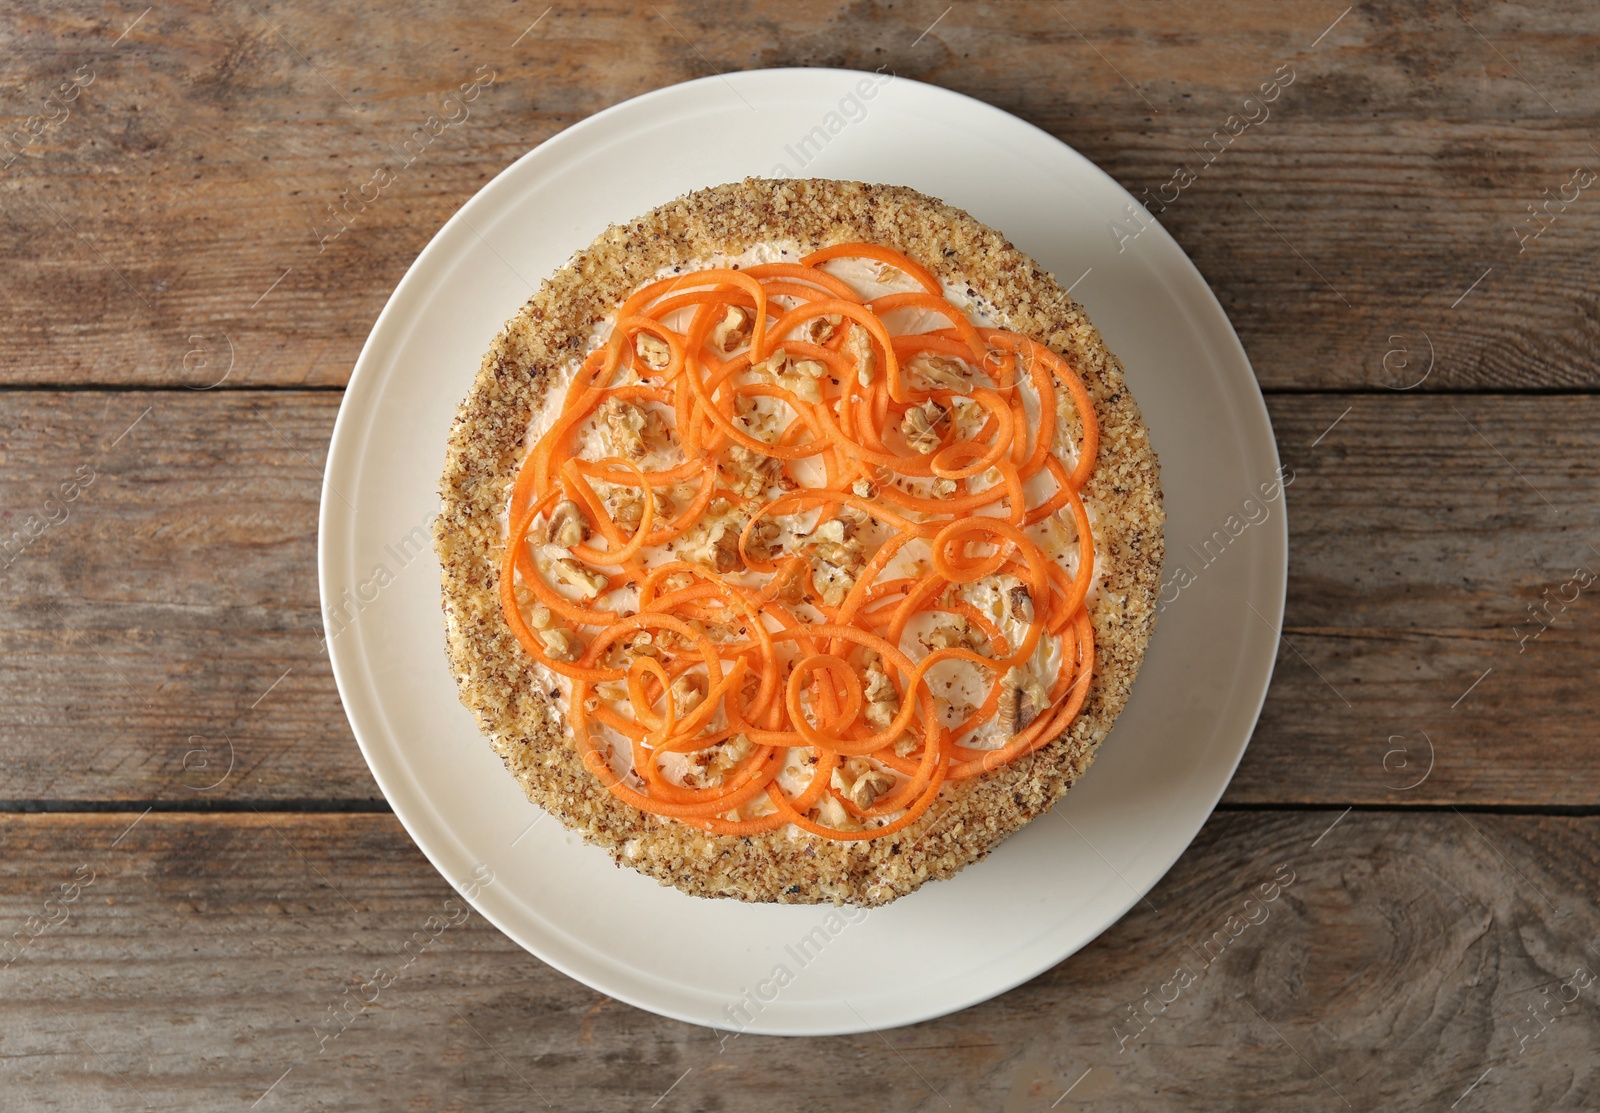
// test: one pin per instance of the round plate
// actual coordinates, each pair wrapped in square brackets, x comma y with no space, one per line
[807,970]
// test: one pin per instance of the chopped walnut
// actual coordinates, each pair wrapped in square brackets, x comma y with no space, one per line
[714,543]
[1016,708]
[879,715]
[567,525]
[707,767]
[561,643]
[633,429]
[831,813]
[883,701]
[951,635]
[834,582]
[627,508]
[539,617]
[622,654]
[861,784]
[863,488]
[837,558]
[732,331]
[1020,603]
[653,351]
[730,753]
[726,631]
[666,507]
[763,543]
[939,371]
[943,488]
[688,692]
[878,688]
[573,574]
[725,552]
[858,343]
[746,471]
[819,330]
[801,377]
[921,425]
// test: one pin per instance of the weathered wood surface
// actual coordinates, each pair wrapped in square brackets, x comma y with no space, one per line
[1397,964]
[179,199]
[175,606]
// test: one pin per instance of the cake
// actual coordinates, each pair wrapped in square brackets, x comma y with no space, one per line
[800,542]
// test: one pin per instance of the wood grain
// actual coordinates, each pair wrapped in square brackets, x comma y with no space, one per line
[182,204]
[1432,540]
[1389,971]
[175,608]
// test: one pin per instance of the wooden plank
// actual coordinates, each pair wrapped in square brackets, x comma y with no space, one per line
[175,607]
[173,225]
[172,607]
[1441,629]
[1401,959]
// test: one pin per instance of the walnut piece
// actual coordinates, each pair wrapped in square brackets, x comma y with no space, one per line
[858,345]
[763,543]
[746,471]
[939,371]
[883,701]
[819,330]
[561,643]
[573,574]
[688,692]
[621,654]
[626,505]
[801,377]
[857,781]
[921,425]
[952,635]
[1016,708]
[1021,604]
[633,430]
[707,767]
[652,351]
[714,543]
[831,813]
[732,331]
[837,558]
[567,525]
[758,422]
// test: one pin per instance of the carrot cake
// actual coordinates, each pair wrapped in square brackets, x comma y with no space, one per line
[800,542]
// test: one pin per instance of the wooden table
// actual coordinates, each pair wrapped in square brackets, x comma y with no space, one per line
[198,868]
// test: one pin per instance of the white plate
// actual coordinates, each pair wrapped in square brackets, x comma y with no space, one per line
[1043,894]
